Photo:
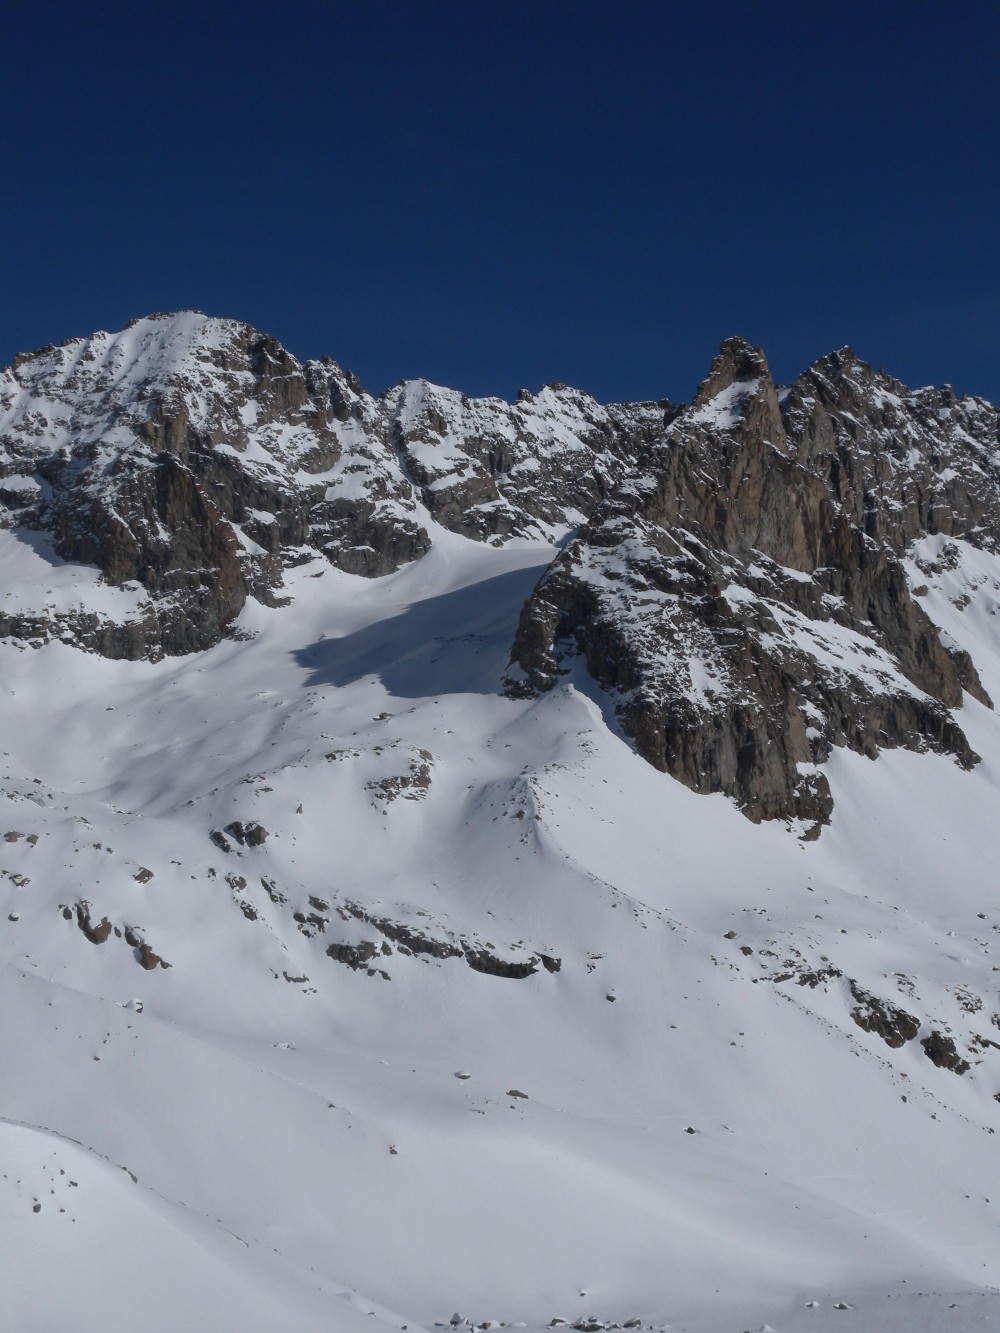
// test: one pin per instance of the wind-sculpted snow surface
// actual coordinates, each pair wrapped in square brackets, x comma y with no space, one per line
[342,989]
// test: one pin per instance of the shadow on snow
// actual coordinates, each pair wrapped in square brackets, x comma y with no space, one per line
[456,643]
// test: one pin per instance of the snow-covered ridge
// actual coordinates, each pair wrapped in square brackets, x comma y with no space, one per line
[742,594]
[342,991]
[194,461]
[186,444]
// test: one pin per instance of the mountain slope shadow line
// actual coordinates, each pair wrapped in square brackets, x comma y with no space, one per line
[456,643]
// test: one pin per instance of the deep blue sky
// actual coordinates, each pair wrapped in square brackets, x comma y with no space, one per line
[498,194]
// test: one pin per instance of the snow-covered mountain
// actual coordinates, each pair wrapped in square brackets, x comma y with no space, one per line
[530,860]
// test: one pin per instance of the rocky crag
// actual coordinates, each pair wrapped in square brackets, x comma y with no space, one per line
[740,576]
[743,594]
[195,458]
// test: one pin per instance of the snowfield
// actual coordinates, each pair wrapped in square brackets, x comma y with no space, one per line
[261,1136]
[341,991]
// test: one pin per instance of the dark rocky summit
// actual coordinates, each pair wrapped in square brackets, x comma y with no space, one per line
[742,575]
[743,596]
[191,460]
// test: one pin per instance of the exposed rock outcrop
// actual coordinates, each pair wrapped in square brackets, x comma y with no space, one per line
[191,460]
[742,595]
[894,1025]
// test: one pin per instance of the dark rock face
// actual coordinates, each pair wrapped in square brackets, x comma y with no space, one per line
[742,594]
[100,932]
[144,955]
[410,940]
[482,960]
[490,469]
[96,932]
[247,835]
[895,1026]
[356,956]
[125,451]
[191,461]
[941,1051]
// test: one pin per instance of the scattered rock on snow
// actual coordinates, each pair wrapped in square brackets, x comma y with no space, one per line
[356,956]
[941,1051]
[247,835]
[894,1026]
[98,933]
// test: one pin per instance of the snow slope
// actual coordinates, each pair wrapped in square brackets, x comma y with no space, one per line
[248,1143]
[341,991]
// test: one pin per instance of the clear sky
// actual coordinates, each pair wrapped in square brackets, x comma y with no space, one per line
[494,195]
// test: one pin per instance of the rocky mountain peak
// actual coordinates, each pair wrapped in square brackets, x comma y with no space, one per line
[197,459]
[739,397]
[735,574]
[744,599]
[736,361]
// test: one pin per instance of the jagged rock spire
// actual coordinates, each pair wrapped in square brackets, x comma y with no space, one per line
[736,361]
